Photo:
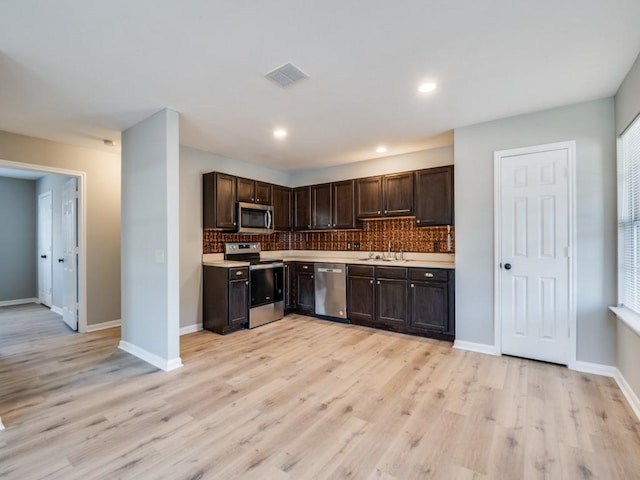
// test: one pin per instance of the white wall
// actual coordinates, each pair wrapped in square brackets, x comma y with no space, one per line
[18,239]
[102,207]
[193,163]
[55,183]
[591,124]
[435,157]
[150,249]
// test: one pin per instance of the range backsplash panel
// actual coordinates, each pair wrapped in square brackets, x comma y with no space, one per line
[375,235]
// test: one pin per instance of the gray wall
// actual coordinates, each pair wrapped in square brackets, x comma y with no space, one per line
[591,124]
[628,98]
[628,342]
[18,241]
[102,208]
[150,230]
[54,183]
[193,163]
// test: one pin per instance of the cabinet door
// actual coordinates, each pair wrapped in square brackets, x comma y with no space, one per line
[246,190]
[263,193]
[219,201]
[289,286]
[369,197]
[238,303]
[302,208]
[281,208]
[343,200]
[398,194]
[434,196]
[392,302]
[321,207]
[429,306]
[305,292]
[361,300]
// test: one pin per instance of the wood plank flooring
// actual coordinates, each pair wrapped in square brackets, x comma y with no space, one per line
[298,399]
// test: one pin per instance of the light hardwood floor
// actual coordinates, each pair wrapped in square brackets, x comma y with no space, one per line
[298,399]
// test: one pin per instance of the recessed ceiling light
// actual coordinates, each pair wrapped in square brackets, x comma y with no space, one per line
[279,133]
[427,87]
[381,149]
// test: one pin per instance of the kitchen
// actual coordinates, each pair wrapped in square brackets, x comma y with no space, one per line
[402,281]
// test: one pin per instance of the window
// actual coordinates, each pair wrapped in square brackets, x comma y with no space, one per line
[629,217]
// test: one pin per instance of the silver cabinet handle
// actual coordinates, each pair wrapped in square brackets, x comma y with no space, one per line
[412,285]
[386,211]
[417,221]
[311,276]
[234,224]
[239,272]
[334,224]
[378,212]
[428,275]
[378,282]
[247,282]
[371,282]
[328,225]
[304,267]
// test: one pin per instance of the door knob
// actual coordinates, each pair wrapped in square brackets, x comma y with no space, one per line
[61,260]
[43,256]
[507,266]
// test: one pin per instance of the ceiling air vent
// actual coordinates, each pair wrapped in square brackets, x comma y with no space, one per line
[286,75]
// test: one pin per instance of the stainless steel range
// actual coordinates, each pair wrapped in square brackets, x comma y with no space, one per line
[266,282]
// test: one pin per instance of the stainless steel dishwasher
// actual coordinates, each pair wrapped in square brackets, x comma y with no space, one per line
[331,289]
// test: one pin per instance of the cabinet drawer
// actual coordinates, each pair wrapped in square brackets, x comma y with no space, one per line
[304,267]
[361,270]
[439,274]
[391,272]
[238,273]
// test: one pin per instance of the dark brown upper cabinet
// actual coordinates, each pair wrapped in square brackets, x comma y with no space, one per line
[343,208]
[281,197]
[385,196]
[302,208]
[434,196]
[219,201]
[321,207]
[252,191]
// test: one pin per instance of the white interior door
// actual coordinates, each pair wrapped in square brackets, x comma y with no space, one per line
[534,245]
[70,254]
[45,271]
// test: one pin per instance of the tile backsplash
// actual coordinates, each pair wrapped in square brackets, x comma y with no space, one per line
[375,235]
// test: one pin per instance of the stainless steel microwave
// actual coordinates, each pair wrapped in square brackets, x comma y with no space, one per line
[255,219]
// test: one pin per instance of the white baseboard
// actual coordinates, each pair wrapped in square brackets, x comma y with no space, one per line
[595,368]
[190,329]
[152,358]
[103,326]
[475,347]
[628,393]
[19,301]
[57,310]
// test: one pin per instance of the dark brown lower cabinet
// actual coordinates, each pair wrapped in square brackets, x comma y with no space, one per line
[289,286]
[225,299]
[410,300]
[305,288]
[361,295]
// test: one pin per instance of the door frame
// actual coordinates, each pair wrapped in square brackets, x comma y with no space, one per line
[498,157]
[81,228]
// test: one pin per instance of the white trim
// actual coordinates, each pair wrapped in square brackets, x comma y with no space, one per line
[190,329]
[82,228]
[19,301]
[476,347]
[595,368]
[570,146]
[1,425]
[628,392]
[152,358]
[103,326]
[57,310]
[630,318]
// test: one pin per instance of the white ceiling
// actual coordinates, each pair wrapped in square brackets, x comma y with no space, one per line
[82,71]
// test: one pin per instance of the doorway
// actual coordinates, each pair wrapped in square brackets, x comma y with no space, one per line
[79,216]
[534,215]
[45,247]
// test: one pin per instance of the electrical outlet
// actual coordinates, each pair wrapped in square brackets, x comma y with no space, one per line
[436,247]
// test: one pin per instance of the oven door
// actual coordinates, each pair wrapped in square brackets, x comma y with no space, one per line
[266,284]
